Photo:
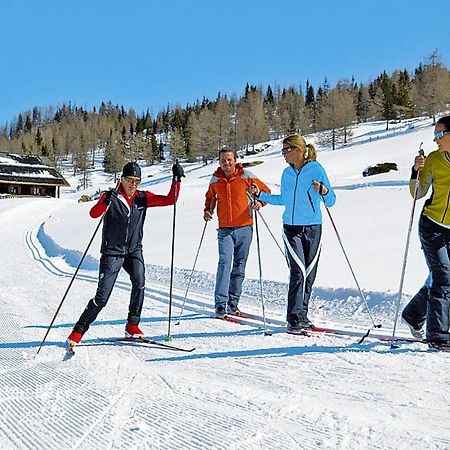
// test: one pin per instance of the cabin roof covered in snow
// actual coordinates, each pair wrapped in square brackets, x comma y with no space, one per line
[28,169]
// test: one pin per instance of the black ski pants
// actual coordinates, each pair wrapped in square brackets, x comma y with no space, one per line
[302,243]
[435,241]
[133,264]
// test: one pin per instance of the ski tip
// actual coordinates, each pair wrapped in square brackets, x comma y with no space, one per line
[69,354]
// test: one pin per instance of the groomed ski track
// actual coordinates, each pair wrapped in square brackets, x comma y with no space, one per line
[239,389]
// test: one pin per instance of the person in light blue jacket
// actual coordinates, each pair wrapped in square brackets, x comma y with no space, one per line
[304,186]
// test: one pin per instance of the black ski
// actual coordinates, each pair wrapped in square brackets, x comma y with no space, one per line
[140,340]
[435,347]
[244,318]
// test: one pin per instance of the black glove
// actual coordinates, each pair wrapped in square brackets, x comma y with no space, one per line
[110,196]
[177,171]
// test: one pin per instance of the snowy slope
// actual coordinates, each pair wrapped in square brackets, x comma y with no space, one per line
[239,388]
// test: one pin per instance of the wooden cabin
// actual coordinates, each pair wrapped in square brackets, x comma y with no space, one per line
[24,175]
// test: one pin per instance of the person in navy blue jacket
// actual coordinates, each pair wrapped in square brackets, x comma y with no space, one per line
[124,211]
[304,185]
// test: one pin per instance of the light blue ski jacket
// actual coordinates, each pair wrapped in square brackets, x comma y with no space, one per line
[300,199]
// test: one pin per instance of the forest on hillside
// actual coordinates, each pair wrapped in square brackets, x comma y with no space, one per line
[199,130]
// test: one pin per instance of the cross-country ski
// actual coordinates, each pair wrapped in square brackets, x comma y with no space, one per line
[225,226]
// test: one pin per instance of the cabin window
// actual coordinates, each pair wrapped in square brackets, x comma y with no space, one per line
[12,189]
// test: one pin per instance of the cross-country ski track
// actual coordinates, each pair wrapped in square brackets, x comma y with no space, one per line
[239,389]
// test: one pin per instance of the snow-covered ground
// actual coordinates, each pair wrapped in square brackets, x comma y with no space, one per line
[239,389]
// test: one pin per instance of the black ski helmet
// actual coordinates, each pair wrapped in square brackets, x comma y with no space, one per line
[131,169]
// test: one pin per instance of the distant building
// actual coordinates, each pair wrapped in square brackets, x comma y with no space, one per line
[29,175]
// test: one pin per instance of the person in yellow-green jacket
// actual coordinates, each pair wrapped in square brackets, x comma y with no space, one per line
[434,233]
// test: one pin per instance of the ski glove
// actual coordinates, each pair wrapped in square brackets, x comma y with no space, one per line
[177,171]
[110,196]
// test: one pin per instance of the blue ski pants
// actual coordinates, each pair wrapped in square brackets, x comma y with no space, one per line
[234,245]
[435,240]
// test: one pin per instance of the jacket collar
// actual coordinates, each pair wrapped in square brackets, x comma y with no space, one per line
[237,172]
[126,200]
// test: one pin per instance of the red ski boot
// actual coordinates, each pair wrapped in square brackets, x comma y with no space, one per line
[133,331]
[73,339]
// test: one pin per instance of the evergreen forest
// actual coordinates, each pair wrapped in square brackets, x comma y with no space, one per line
[198,131]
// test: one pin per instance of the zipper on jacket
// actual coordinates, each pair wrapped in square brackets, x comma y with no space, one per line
[310,200]
[446,208]
[295,192]
[128,225]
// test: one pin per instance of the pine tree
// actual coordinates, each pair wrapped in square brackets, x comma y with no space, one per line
[403,100]
[19,125]
[309,97]
[269,98]
[363,103]
[38,137]
[388,107]
[28,126]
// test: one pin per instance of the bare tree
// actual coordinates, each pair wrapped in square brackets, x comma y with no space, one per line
[203,135]
[223,111]
[251,122]
[432,86]
[337,114]
[176,143]
[294,117]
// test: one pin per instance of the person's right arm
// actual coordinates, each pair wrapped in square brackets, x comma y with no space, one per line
[100,207]
[274,199]
[210,203]
[421,168]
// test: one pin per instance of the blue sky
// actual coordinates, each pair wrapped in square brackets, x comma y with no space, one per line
[150,53]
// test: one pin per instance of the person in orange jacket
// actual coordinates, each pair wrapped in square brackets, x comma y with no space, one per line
[228,191]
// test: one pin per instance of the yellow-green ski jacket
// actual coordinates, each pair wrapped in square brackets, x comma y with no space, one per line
[436,173]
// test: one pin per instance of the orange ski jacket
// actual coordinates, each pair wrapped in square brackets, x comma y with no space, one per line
[231,198]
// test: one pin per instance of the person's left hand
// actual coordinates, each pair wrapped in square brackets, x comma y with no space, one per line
[111,196]
[177,171]
[257,205]
[253,190]
[319,187]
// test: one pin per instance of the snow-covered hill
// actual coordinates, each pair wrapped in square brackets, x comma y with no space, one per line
[239,388]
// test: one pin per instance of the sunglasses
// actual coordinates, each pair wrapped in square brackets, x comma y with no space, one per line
[287,150]
[440,134]
[132,181]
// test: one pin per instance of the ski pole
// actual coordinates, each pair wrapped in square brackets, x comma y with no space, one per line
[405,257]
[192,273]
[266,333]
[270,232]
[74,275]
[175,192]
[211,209]
[353,274]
